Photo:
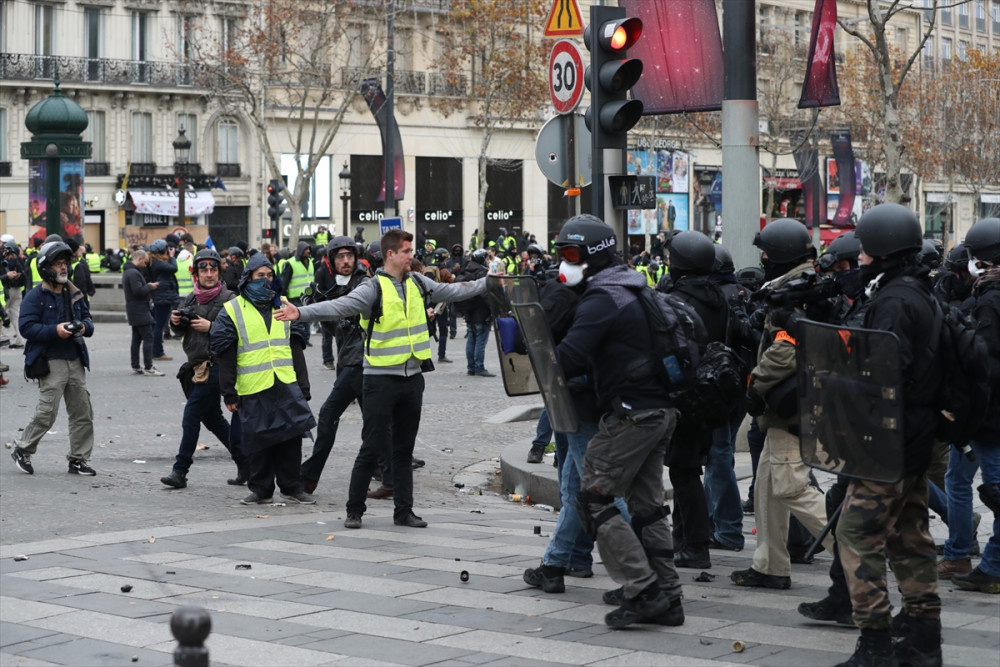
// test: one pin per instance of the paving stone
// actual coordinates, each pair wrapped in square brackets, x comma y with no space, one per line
[14,610]
[527,648]
[145,589]
[393,651]
[226,649]
[236,584]
[517,624]
[834,639]
[359,601]
[352,582]
[119,605]
[15,633]
[475,582]
[247,605]
[255,627]
[22,661]
[88,651]
[406,628]
[328,550]
[106,627]
[484,600]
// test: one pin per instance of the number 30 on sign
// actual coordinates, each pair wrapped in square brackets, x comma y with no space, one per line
[566,75]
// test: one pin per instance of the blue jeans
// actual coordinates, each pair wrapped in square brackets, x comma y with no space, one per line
[203,407]
[475,346]
[988,455]
[937,500]
[721,490]
[543,432]
[958,486]
[161,315]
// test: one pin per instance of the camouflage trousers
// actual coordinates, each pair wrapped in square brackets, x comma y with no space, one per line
[882,522]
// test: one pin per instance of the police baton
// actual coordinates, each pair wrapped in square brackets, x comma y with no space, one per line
[826,530]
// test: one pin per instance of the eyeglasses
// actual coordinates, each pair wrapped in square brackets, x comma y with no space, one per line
[204,266]
[570,253]
[344,255]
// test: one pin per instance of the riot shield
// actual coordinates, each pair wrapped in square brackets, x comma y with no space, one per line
[515,365]
[548,374]
[850,401]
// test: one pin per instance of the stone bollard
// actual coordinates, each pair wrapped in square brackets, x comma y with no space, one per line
[190,626]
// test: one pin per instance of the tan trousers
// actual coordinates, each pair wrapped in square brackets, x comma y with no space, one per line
[783,488]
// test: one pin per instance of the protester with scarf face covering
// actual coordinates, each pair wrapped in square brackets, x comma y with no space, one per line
[264,383]
[200,375]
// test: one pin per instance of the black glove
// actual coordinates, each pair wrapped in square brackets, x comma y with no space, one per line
[755,403]
[787,319]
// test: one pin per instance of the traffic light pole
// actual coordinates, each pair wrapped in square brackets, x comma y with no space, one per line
[390,133]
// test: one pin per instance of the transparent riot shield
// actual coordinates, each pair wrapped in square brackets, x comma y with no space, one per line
[850,401]
[515,364]
[548,374]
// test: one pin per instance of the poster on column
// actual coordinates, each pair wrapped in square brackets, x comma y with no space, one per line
[672,212]
[36,199]
[70,198]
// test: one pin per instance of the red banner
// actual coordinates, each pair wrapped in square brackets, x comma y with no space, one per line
[820,88]
[681,52]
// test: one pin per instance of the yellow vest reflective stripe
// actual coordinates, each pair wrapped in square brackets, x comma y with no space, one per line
[322,238]
[300,278]
[94,262]
[261,355]
[3,296]
[36,277]
[401,332]
[185,282]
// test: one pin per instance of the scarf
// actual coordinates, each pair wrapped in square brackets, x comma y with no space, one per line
[203,295]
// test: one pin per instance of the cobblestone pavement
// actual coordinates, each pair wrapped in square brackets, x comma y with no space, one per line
[318,594]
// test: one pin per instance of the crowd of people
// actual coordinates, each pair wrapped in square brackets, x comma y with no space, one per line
[245,317]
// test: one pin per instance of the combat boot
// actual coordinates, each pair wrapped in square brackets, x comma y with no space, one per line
[651,602]
[874,649]
[921,645]
[176,479]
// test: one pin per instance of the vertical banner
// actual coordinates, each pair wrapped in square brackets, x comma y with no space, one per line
[70,198]
[375,97]
[36,199]
[814,198]
[820,87]
[843,156]
[681,49]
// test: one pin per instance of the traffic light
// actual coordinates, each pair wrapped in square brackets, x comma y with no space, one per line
[610,76]
[275,200]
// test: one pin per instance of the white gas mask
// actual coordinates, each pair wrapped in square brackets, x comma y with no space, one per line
[571,274]
[976,268]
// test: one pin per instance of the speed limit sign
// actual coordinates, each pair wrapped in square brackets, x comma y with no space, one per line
[565,76]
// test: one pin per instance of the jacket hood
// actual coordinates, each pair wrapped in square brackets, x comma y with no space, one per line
[254,263]
[303,246]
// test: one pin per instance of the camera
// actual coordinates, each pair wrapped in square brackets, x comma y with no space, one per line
[186,314]
[312,294]
[76,328]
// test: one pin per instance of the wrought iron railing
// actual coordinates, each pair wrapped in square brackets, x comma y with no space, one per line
[96,169]
[24,66]
[228,169]
[143,169]
[448,86]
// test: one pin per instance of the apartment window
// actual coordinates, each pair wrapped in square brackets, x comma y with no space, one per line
[963,15]
[963,50]
[93,18]
[996,17]
[228,142]
[184,48]
[800,29]
[190,124]
[140,47]
[946,48]
[95,135]
[902,38]
[45,39]
[3,135]
[980,15]
[142,137]
[946,15]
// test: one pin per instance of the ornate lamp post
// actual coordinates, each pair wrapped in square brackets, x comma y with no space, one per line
[345,195]
[182,151]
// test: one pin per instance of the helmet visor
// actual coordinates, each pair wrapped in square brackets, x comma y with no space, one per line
[571,254]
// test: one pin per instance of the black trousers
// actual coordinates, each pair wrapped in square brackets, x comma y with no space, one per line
[692,526]
[277,463]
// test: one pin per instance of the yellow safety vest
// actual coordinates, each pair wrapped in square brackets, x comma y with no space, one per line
[300,278]
[185,282]
[322,238]
[94,262]
[36,277]
[401,332]
[261,355]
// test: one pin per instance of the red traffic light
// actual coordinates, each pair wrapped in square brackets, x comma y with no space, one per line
[615,36]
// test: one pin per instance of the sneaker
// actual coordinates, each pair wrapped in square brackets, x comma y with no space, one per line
[614,597]
[300,498]
[352,521]
[22,460]
[411,520]
[949,568]
[176,479]
[754,579]
[136,371]
[977,580]
[254,499]
[651,602]
[416,463]
[329,365]
[536,454]
[547,577]
[485,374]
[872,650]
[444,360]
[579,572]
[828,609]
[163,357]
[470,372]
[748,507]
[80,467]
[381,493]
[152,372]
[242,477]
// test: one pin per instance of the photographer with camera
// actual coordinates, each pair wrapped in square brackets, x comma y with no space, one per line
[54,319]
[200,376]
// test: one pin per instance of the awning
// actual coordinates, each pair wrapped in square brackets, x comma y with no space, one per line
[165,202]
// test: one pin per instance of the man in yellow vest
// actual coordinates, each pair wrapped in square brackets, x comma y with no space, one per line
[296,273]
[322,237]
[185,283]
[265,384]
[93,259]
[393,309]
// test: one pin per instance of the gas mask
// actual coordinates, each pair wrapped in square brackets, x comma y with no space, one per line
[571,274]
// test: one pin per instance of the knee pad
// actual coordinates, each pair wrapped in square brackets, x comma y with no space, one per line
[640,522]
[990,495]
[586,502]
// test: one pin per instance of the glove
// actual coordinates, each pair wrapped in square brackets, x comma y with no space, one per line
[787,319]
[755,403]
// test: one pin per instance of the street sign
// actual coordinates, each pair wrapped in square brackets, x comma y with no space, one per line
[566,77]
[553,155]
[385,224]
[564,19]
[632,192]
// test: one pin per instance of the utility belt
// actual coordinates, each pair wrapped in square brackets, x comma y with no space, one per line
[635,415]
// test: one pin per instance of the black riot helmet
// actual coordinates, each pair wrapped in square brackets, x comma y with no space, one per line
[931,251]
[49,253]
[374,254]
[751,277]
[480,256]
[786,241]
[958,258]
[441,254]
[586,238]
[691,251]
[723,260]
[846,246]
[340,243]
[983,240]
[888,229]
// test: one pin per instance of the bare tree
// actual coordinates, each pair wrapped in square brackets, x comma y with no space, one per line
[294,67]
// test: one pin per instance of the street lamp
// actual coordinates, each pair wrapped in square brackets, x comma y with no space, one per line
[345,195]
[182,151]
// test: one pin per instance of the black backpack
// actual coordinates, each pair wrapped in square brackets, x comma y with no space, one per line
[678,337]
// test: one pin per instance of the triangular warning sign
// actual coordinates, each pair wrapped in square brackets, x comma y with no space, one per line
[564,19]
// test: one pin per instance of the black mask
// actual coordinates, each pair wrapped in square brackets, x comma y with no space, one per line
[850,282]
[868,272]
